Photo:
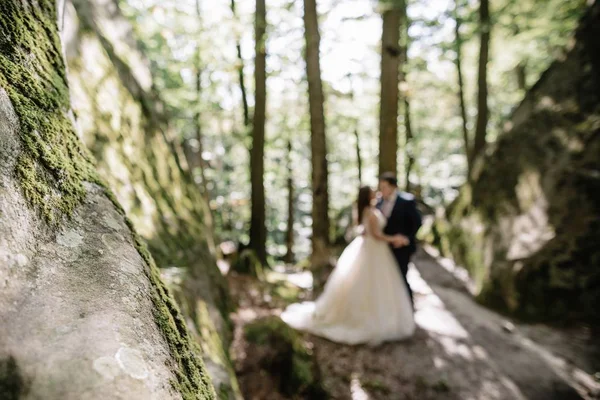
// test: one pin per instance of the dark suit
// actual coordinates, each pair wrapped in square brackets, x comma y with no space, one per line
[405,220]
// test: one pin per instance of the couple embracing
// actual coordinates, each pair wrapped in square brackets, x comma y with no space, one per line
[367,298]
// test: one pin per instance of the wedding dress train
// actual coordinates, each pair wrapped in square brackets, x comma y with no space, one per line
[365,300]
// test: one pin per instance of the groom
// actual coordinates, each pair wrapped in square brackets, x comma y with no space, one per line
[403,219]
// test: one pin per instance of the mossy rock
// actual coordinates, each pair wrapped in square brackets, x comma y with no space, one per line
[527,226]
[12,385]
[288,359]
[54,167]
[247,262]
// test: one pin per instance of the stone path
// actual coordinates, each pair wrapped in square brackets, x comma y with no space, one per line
[461,350]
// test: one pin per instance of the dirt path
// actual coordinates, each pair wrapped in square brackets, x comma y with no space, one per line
[460,350]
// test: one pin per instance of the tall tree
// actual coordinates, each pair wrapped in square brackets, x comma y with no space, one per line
[358,156]
[356,134]
[289,236]
[521,68]
[461,85]
[390,64]
[197,115]
[410,156]
[482,95]
[318,142]
[240,70]
[258,230]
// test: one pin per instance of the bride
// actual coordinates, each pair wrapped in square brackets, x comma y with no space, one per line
[365,299]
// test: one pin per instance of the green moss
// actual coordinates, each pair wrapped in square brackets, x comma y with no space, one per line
[225,392]
[287,292]
[193,381]
[294,363]
[441,386]
[211,342]
[375,385]
[54,164]
[261,331]
[247,262]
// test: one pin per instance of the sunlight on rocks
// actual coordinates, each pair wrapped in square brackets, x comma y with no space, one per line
[247,314]
[356,390]
[459,272]
[531,230]
[302,279]
[431,314]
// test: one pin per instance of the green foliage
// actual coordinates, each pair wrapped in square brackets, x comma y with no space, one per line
[350,63]
[54,163]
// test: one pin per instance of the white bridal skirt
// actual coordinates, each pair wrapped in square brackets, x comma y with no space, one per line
[365,299]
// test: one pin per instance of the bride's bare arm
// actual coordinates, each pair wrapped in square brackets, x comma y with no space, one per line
[375,229]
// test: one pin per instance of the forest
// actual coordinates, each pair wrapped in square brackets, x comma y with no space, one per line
[177,178]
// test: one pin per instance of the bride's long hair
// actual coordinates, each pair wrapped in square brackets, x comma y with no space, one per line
[364,201]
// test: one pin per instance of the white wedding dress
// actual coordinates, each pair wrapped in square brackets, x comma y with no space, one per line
[365,299]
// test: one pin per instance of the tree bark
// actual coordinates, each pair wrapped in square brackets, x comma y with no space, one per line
[240,70]
[482,105]
[356,134]
[410,157]
[289,241]
[461,86]
[318,142]
[521,72]
[358,156]
[84,295]
[258,231]
[390,69]
[197,115]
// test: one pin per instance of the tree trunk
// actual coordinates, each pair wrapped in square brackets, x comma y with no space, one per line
[390,69]
[197,121]
[202,165]
[84,313]
[289,237]
[240,69]
[318,142]
[358,157]
[461,86]
[521,68]
[410,157]
[521,72]
[356,135]
[482,106]
[258,231]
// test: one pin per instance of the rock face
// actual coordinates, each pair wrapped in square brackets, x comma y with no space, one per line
[123,123]
[529,228]
[84,313]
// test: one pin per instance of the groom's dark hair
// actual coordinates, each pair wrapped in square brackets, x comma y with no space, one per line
[390,178]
